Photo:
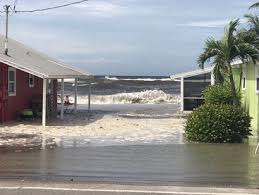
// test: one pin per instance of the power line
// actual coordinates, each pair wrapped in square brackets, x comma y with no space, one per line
[15,4]
[49,8]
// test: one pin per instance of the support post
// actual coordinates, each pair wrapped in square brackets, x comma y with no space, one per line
[44,102]
[75,99]
[182,94]
[89,99]
[62,100]
[212,79]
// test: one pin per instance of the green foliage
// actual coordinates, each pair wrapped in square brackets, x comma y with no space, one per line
[218,123]
[218,94]
[233,45]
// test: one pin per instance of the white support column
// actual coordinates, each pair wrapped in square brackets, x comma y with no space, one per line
[44,102]
[62,100]
[89,99]
[212,79]
[75,98]
[182,94]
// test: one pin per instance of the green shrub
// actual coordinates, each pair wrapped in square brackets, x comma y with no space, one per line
[218,123]
[218,94]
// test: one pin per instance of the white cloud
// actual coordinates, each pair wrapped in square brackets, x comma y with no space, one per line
[209,24]
[101,8]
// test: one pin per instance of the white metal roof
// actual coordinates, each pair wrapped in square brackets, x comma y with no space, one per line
[33,62]
[191,73]
[234,63]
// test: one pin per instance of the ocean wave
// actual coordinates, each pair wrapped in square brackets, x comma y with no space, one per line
[144,97]
[136,79]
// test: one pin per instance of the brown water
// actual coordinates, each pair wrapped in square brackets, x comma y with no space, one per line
[181,164]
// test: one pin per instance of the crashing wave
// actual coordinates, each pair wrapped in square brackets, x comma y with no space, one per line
[144,97]
[136,79]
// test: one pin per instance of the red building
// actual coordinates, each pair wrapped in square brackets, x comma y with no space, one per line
[26,77]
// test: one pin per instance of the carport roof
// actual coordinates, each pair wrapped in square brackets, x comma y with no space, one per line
[191,73]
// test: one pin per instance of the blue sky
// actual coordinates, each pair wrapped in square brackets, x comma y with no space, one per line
[124,37]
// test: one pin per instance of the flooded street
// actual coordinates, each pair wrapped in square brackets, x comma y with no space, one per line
[181,164]
[157,157]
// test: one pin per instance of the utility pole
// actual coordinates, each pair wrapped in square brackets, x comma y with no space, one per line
[6,7]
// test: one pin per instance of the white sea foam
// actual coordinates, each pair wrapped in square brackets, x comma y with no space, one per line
[144,97]
[136,79]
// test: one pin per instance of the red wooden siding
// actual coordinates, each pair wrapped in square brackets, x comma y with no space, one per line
[24,94]
[11,105]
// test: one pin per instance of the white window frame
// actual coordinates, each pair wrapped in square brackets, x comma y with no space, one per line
[256,77]
[244,77]
[11,69]
[33,78]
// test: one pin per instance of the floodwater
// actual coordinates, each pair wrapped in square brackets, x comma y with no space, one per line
[175,163]
[181,164]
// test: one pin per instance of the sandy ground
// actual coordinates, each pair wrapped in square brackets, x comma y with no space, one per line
[101,126]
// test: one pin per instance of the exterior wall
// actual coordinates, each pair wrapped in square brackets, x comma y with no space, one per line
[24,93]
[249,97]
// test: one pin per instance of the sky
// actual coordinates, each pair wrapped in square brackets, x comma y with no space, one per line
[124,37]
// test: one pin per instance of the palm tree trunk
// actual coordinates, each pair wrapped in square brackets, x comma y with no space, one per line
[232,86]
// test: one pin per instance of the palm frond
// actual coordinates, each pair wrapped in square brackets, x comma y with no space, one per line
[212,48]
[255,5]
[253,21]
[230,30]
[248,52]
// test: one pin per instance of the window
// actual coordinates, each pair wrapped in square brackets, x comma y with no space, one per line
[31,80]
[243,77]
[11,81]
[257,78]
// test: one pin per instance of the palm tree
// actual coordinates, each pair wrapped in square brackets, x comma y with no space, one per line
[234,45]
[255,5]
[253,21]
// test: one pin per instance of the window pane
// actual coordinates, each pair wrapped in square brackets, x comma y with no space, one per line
[11,88]
[11,75]
[257,84]
[31,81]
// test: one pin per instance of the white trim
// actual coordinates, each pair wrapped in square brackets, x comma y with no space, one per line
[197,81]
[192,73]
[75,101]
[244,77]
[212,77]
[62,100]
[40,75]
[16,66]
[89,99]
[11,69]
[182,93]
[193,98]
[31,85]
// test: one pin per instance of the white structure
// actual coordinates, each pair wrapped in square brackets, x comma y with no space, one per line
[192,85]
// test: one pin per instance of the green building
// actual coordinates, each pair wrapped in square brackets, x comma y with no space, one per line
[247,81]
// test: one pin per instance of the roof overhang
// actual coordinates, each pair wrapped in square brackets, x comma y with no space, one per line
[191,73]
[235,64]
[40,75]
